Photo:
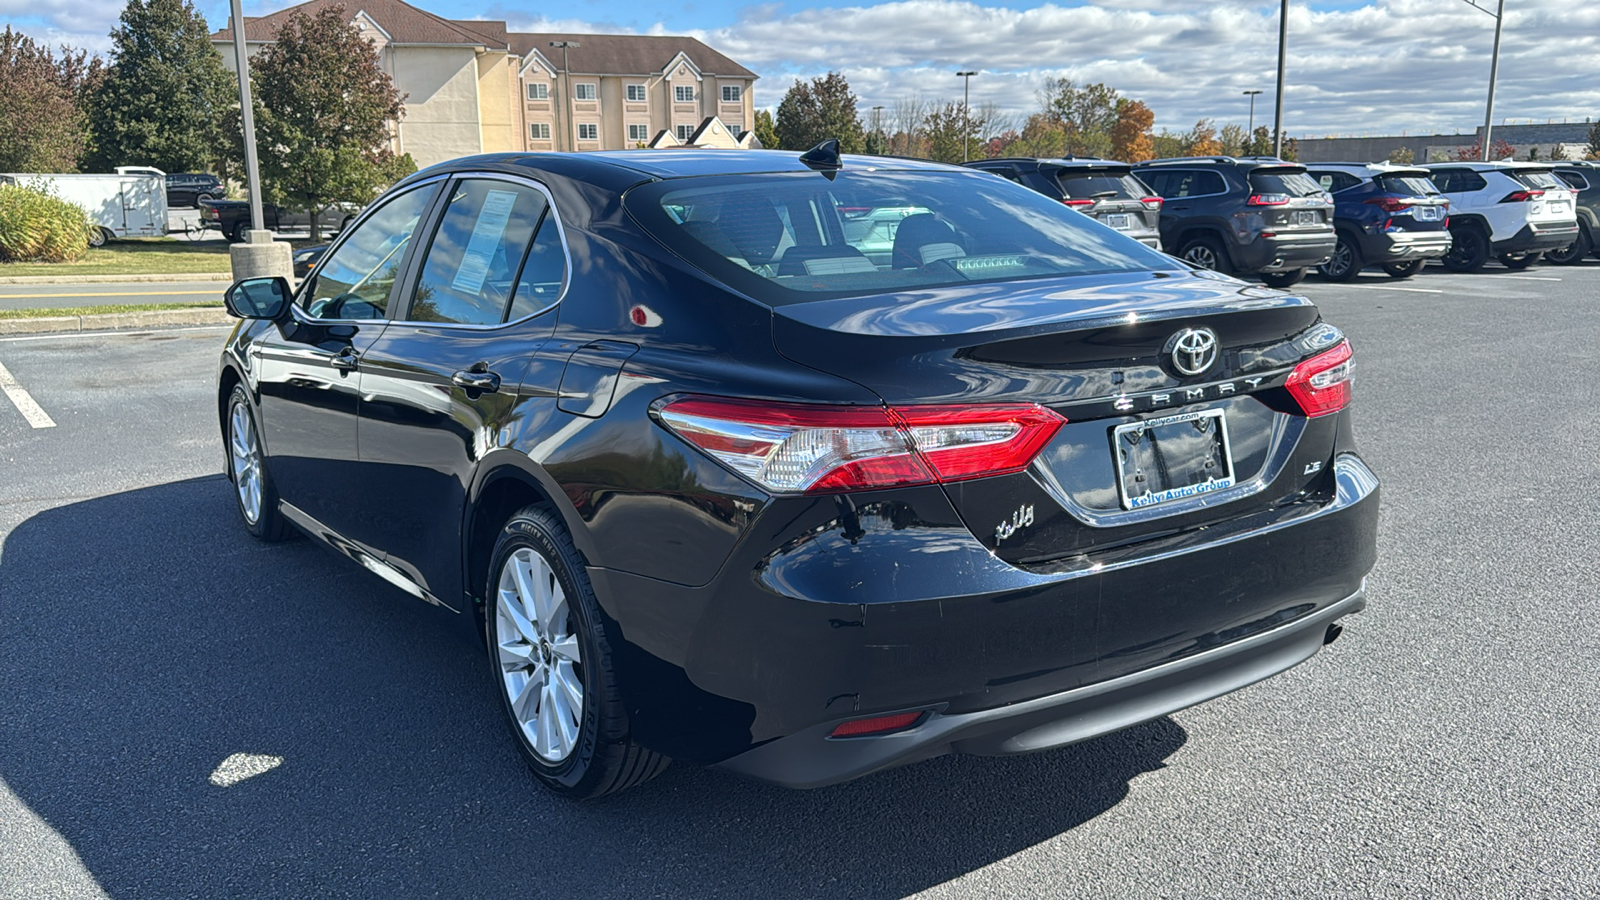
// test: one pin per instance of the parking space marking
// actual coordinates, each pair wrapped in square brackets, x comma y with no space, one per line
[1525,277]
[23,401]
[1385,287]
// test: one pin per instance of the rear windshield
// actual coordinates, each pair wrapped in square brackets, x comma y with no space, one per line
[1545,181]
[1084,185]
[795,236]
[1279,181]
[1409,185]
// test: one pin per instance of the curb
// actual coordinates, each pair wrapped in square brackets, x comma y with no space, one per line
[161,318]
[115,279]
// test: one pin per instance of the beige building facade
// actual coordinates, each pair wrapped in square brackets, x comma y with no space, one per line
[471,87]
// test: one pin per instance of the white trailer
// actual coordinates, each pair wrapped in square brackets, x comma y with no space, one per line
[128,204]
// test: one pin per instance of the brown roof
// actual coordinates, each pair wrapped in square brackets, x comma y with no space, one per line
[626,54]
[405,24]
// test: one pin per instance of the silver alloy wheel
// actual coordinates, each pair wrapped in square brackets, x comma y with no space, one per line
[246,454]
[1202,256]
[540,662]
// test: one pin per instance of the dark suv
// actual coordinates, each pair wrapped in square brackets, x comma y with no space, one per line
[1103,189]
[189,188]
[1585,179]
[1250,216]
[1386,215]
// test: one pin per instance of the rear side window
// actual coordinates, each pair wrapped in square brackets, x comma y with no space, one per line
[1333,182]
[1409,185]
[1539,181]
[1087,184]
[1458,181]
[470,272]
[1575,179]
[790,237]
[1185,183]
[1295,184]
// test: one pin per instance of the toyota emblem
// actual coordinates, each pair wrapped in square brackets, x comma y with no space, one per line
[1193,350]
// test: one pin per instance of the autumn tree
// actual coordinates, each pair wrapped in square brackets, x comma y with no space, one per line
[812,113]
[1130,136]
[1402,157]
[325,110]
[1234,140]
[1201,140]
[44,126]
[764,131]
[1498,150]
[953,132]
[1084,115]
[166,93]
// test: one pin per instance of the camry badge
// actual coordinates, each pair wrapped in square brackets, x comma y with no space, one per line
[1193,350]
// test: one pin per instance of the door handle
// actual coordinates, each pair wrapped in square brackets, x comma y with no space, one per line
[476,380]
[344,360]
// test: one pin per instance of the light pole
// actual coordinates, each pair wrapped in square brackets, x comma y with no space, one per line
[1252,128]
[1494,72]
[247,113]
[1277,118]
[566,92]
[877,128]
[966,120]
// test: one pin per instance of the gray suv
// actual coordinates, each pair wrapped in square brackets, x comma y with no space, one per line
[1102,189]
[1584,177]
[1257,216]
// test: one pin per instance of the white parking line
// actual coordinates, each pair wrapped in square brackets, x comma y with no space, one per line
[23,401]
[1385,287]
[1523,277]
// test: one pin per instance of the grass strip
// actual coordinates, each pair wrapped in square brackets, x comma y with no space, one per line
[97,310]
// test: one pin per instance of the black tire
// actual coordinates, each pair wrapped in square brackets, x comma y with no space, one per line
[99,236]
[1404,269]
[237,234]
[1575,252]
[1346,262]
[268,525]
[1281,280]
[1207,253]
[1518,260]
[1469,249]
[603,759]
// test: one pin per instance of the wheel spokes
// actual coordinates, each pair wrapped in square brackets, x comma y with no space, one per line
[512,608]
[566,647]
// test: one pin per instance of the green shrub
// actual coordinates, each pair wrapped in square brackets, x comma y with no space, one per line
[35,226]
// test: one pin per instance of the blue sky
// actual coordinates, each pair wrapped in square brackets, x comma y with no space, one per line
[1355,66]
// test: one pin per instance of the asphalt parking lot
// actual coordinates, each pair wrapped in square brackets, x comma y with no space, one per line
[187,713]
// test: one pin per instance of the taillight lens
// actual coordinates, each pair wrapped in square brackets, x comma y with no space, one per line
[1077,203]
[1321,384]
[1519,196]
[1267,200]
[796,448]
[876,725]
[1151,202]
[1389,204]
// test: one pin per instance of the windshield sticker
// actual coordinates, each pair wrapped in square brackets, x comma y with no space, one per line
[486,235]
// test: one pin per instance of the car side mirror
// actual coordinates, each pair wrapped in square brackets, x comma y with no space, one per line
[258,298]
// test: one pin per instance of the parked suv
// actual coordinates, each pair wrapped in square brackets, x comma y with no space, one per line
[1103,189]
[190,189]
[1250,216]
[1385,215]
[1583,177]
[1513,211]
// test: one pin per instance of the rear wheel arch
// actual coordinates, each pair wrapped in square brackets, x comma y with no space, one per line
[507,481]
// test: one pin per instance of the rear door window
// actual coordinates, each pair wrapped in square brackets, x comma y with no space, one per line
[470,273]
[1173,185]
[1083,185]
[1575,179]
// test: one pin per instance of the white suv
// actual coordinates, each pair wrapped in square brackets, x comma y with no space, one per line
[1513,211]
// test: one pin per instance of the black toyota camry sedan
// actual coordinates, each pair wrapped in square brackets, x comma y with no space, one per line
[803,466]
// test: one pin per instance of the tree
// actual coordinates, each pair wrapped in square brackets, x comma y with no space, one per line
[43,124]
[1260,142]
[1499,150]
[1291,149]
[764,132]
[906,115]
[1403,157]
[166,94]
[1201,140]
[324,113]
[1083,116]
[811,113]
[1233,140]
[1130,136]
[1594,140]
[950,128]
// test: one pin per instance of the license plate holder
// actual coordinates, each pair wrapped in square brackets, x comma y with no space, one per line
[1119,221]
[1305,217]
[1429,213]
[1172,458]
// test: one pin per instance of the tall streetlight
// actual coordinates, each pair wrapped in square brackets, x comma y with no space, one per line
[1494,72]
[1277,118]
[966,119]
[1252,129]
[877,128]
[247,113]
[566,80]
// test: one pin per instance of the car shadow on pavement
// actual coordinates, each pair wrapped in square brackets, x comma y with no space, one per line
[145,639]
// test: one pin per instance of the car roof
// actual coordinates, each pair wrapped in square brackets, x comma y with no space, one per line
[1243,162]
[1493,165]
[1063,162]
[1372,168]
[675,163]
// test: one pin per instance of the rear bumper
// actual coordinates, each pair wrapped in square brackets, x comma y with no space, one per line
[1287,251]
[1403,246]
[1244,602]
[1535,238]
[813,759]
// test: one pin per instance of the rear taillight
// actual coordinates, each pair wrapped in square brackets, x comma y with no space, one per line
[1267,200]
[1389,204]
[1519,196]
[794,448]
[876,725]
[1321,384]
[1151,202]
[1077,203]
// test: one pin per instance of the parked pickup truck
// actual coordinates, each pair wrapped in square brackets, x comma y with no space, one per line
[232,217]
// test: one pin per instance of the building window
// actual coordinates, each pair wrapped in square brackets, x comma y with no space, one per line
[538,92]
[539,131]
[584,92]
[732,93]
[588,131]
[685,132]
[638,132]
[683,93]
[636,93]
